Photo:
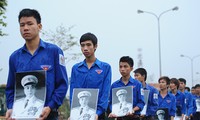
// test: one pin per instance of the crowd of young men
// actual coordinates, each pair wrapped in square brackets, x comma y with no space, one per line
[93,73]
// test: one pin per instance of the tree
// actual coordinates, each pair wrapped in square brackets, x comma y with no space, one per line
[64,40]
[3,4]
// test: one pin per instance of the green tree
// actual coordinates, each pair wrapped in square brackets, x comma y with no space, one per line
[3,4]
[65,40]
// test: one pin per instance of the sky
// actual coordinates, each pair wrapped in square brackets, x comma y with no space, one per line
[121,31]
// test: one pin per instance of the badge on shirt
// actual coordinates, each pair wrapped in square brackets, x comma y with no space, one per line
[99,71]
[168,101]
[155,96]
[45,67]
[61,60]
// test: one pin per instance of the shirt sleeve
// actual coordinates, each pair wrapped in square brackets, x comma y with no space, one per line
[10,84]
[61,81]
[140,102]
[104,95]
[173,106]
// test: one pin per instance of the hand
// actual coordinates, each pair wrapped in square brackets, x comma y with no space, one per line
[8,114]
[111,115]
[96,117]
[45,113]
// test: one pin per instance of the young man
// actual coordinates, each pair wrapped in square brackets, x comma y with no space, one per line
[180,99]
[166,99]
[125,68]
[188,99]
[141,75]
[38,55]
[197,100]
[92,73]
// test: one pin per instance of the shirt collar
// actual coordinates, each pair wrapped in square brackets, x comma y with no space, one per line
[41,45]
[96,62]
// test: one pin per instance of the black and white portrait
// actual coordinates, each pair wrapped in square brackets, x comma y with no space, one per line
[84,104]
[122,98]
[145,93]
[162,114]
[198,105]
[30,94]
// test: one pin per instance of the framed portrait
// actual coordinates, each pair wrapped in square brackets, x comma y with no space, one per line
[84,104]
[30,94]
[145,93]
[122,100]
[162,114]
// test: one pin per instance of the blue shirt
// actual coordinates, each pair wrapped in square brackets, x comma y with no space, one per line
[169,102]
[180,101]
[47,57]
[189,103]
[98,77]
[152,101]
[138,99]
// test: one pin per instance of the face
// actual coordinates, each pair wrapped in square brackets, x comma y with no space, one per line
[163,84]
[29,90]
[181,85]
[197,90]
[125,69]
[29,28]
[172,86]
[83,101]
[122,98]
[139,77]
[88,48]
[193,91]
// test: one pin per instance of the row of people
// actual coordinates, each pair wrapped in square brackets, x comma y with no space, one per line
[90,73]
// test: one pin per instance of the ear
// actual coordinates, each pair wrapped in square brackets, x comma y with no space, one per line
[95,47]
[40,26]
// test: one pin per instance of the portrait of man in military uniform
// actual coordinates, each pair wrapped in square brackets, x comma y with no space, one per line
[27,104]
[122,100]
[162,114]
[84,104]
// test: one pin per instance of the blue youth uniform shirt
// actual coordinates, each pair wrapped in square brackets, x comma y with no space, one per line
[98,77]
[188,103]
[180,102]
[152,101]
[47,57]
[138,99]
[169,102]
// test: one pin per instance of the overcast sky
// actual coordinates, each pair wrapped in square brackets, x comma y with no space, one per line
[120,30]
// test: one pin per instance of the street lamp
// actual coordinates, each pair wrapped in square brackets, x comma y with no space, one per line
[191,59]
[158,19]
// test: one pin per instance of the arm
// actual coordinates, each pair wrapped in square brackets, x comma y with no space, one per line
[103,100]
[140,103]
[61,81]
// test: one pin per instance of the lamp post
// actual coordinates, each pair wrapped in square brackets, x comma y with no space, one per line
[158,20]
[192,60]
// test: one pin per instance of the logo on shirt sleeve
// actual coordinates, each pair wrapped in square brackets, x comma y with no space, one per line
[99,71]
[155,96]
[61,60]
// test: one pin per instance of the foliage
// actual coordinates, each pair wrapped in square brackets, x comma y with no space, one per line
[3,4]
[64,40]
[64,110]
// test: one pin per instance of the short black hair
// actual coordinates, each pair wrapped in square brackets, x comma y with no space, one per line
[127,59]
[182,80]
[197,85]
[164,78]
[141,71]
[188,89]
[175,81]
[30,13]
[89,36]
